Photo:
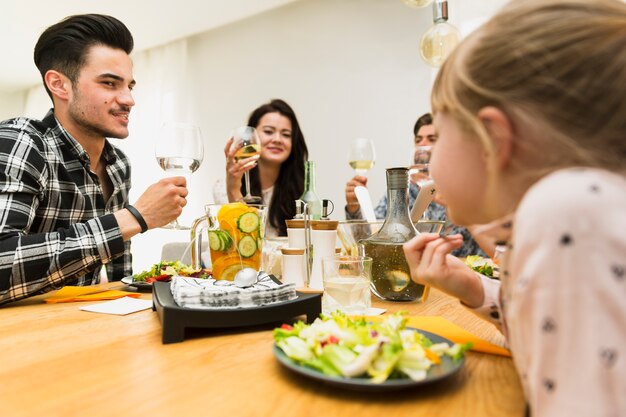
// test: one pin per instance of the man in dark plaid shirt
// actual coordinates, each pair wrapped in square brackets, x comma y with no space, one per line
[64,209]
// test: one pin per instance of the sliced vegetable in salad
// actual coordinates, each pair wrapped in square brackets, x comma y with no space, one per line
[479,264]
[341,346]
[164,270]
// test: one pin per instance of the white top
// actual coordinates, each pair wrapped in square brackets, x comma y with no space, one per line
[220,196]
[563,294]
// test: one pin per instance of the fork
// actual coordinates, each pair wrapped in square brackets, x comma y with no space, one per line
[447,230]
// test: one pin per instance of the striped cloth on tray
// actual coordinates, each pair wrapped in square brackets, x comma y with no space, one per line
[221,294]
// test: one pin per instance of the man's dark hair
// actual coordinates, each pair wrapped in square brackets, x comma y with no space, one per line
[64,46]
[425,119]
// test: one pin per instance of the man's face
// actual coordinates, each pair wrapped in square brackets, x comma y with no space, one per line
[426,136]
[101,97]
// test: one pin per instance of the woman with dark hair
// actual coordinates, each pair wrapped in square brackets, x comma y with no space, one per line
[277,174]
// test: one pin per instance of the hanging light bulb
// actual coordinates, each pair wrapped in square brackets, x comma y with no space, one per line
[417,3]
[441,38]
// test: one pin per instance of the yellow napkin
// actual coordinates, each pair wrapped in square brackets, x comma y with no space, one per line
[445,328]
[70,294]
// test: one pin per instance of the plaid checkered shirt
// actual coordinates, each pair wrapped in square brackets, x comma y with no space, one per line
[55,227]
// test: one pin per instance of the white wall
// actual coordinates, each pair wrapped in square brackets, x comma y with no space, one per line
[11,105]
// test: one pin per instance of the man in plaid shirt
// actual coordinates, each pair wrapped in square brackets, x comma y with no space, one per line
[64,211]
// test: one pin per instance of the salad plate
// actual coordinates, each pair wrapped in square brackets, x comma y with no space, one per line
[447,368]
[163,271]
[140,285]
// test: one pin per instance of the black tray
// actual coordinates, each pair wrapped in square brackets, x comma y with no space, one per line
[176,319]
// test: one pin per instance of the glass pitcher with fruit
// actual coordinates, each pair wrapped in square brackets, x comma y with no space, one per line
[235,235]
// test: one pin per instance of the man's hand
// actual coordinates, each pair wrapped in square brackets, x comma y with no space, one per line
[352,203]
[416,176]
[161,203]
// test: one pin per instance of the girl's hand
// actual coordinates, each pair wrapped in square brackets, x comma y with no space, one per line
[431,263]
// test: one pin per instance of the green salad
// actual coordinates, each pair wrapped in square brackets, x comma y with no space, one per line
[340,346]
[479,264]
[166,269]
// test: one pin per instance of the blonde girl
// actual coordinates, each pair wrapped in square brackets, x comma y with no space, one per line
[531,112]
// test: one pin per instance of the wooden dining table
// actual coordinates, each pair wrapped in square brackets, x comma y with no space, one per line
[56,360]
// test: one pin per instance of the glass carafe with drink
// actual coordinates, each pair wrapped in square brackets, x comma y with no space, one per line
[309,196]
[391,277]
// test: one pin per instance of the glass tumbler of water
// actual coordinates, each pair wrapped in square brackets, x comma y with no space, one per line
[347,284]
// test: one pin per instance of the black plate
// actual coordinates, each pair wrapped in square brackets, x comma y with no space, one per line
[175,319]
[445,369]
[140,285]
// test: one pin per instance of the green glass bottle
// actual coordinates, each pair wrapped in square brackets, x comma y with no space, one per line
[309,196]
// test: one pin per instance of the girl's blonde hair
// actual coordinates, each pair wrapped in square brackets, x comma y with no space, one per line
[557,68]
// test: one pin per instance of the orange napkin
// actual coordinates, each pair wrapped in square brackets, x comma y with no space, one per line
[70,294]
[445,328]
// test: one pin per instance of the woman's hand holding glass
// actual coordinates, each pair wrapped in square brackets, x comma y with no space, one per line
[242,152]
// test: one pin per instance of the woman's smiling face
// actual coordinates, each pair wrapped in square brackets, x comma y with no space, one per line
[275,133]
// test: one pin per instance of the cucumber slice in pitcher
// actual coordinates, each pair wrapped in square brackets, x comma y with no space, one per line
[215,243]
[227,241]
[219,240]
[247,246]
[248,222]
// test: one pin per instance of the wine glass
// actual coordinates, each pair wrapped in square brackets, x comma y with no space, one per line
[246,141]
[179,151]
[419,170]
[361,155]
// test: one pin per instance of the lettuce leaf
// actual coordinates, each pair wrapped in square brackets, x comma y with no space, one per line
[341,346]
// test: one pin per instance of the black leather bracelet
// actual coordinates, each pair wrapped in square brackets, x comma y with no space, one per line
[138,216]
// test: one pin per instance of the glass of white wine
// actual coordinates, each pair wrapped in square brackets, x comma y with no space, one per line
[246,141]
[179,151]
[361,155]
